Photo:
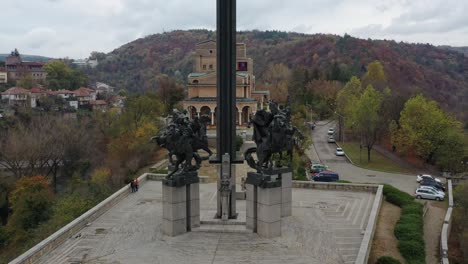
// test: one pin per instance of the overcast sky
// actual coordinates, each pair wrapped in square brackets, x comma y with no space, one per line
[74,28]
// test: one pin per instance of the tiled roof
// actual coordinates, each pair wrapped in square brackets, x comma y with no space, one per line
[98,102]
[15,91]
[38,90]
[83,91]
[63,92]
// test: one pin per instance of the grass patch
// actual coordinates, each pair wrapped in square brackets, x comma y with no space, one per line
[409,230]
[378,161]
[159,171]
[343,181]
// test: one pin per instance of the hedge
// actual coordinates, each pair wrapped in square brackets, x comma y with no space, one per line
[387,260]
[409,229]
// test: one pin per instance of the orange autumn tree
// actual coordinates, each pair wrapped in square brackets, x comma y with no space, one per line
[31,202]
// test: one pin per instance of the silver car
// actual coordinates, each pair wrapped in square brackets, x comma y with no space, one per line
[428,194]
[432,188]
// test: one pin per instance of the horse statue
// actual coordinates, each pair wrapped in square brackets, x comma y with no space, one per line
[273,133]
[183,138]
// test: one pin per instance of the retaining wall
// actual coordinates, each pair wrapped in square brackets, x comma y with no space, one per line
[51,242]
[444,236]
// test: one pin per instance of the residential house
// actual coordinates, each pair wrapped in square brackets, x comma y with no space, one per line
[84,96]
[98,105]
[3,75]
[68,96]
[103,88]
[35,94]
[16,96]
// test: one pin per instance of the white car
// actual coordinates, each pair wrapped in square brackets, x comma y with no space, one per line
[331,139]
[421,177]
[339,152]
[432,188]
[428,194]
[331,131]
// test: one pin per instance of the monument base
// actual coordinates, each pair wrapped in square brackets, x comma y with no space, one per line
[265,203]
[181,203]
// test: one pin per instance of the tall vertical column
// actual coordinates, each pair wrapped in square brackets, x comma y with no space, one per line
[226,90]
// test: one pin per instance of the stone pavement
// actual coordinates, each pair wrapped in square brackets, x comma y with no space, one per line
[326,227]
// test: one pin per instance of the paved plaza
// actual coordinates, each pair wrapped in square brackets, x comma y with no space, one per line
[326,227]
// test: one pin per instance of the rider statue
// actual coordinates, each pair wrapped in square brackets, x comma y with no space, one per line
[183,138]
[273,133]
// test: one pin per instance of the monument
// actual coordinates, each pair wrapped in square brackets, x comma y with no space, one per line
[269,194]
[181,192]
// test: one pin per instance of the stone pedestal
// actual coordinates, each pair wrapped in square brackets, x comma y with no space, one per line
[263,202]
[286,193]
[181,204]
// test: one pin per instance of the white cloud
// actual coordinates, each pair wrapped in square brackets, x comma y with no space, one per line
[74,28]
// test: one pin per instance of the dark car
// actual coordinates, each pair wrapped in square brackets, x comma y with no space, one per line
[326,176]
[431,182]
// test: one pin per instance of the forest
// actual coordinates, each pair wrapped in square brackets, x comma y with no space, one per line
[438,73]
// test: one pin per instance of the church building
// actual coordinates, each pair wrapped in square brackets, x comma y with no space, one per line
[202,90]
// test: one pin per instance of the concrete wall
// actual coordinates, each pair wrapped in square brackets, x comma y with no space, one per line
[336,186]
[50,243]
[444,236]
[160,177]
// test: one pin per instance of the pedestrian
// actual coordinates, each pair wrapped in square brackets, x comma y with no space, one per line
[135,182]
[132,186]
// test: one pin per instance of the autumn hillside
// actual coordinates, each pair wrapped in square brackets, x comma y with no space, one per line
[438,73]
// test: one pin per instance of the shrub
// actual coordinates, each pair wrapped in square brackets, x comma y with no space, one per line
[412,208]
[409,228]
[397,199]
[387,260]
[413,251]
[3,236]
[408,231]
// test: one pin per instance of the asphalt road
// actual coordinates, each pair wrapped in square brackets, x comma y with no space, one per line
[325,152]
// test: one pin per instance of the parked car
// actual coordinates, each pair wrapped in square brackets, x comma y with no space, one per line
[432,188]
[326,176]
[428,194]
[331,131]
[339,152]
[331,139]
[317,167]
[430,182]
[420,177]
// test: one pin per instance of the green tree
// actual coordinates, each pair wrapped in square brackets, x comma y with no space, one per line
[60,76]
[366,118]
[31,202]
[276,81]
[169,92]
[432,134]
[347,97]
[26,81]
[375,76]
